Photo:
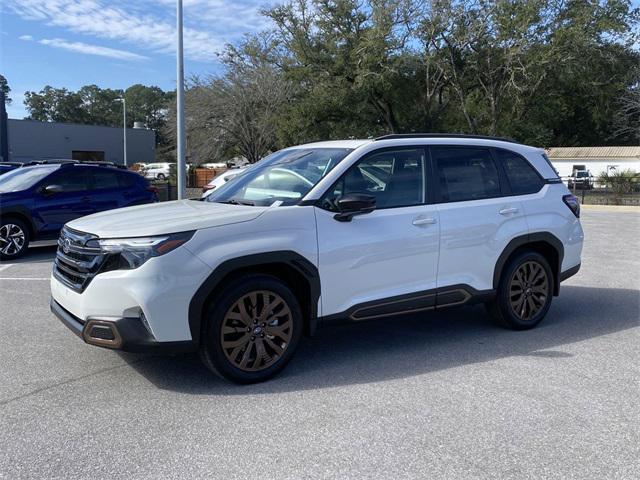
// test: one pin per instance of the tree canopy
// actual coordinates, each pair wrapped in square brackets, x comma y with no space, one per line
[100,106]
[544,72]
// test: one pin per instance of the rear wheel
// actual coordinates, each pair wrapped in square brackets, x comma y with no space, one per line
[253,328]
[160,176]
[524,293]
[14,238]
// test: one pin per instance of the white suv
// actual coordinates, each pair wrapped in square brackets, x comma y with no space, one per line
[157,171]
[343,230]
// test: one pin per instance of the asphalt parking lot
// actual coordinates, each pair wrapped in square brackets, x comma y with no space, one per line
[444,395]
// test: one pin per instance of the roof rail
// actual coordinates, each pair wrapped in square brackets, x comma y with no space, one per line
[396,136]
[49,162]
[96,163]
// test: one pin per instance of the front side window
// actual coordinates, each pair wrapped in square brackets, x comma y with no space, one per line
[521,175]
[285,176]
[465,174]
[394,177]
[71,179]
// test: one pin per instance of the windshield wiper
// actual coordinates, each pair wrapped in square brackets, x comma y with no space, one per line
[233,201]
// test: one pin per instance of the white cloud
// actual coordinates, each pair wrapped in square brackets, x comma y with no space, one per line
[150,24]
[88,49]
[26,38]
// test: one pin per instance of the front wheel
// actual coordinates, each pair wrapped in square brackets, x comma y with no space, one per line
[252,329]
[160,176]
[524,292]
[14,239]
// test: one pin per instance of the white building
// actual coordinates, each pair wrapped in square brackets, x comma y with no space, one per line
[595,159]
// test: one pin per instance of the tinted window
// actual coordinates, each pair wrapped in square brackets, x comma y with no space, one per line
[466,174]
[522,177]
[103,178]
[395,178]
[71,179]
[127,180]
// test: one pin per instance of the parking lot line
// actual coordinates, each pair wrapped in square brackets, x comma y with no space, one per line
[24,278]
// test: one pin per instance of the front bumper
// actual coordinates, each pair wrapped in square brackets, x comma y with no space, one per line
[126,334]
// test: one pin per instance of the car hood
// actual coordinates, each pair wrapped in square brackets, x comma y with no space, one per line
[163,218]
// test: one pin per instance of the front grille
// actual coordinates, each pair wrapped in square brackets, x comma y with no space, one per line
[76,264]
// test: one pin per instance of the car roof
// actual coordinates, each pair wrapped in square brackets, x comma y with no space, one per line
[336,144]
[426,139]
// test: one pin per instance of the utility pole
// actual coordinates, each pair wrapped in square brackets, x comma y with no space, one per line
[180,151]
[124,127]
[4,137]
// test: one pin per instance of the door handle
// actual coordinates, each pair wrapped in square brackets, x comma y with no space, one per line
[423,221]
[508,211]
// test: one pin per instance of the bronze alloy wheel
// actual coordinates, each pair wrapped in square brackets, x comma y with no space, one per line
[12,239]
[256,330]
[528,290]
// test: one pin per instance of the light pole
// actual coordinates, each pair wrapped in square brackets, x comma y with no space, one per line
[124,126]
[180,151]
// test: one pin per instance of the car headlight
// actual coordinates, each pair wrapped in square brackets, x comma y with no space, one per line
[130,253]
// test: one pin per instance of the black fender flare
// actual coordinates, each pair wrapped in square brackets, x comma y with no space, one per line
[292,259]
[23,213]
[523,241]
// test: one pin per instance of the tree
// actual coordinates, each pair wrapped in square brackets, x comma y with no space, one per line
[234,114]
[6,89]
[99,106]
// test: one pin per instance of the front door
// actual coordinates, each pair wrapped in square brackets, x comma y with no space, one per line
[371,264]
[73,201]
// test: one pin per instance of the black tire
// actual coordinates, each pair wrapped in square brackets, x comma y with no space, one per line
[11,230]
[522,310]
[220,313]
[160,176]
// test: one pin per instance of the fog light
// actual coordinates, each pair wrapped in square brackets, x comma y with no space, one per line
[102,333]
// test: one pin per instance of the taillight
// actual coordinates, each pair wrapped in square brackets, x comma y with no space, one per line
[153,189]
[572,202]
[206,188]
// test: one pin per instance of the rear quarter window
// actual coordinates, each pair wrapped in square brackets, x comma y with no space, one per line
[521,175]
[127,180]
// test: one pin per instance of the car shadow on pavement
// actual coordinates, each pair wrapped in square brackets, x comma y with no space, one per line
[401,347]
[42,254]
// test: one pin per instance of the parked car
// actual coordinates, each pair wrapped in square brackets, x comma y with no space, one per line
[581,180]
[343,230]
[220,180]
[36,201]
[157,171]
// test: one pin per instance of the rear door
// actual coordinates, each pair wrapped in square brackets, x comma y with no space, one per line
[72,202]
[477,218]
[380,263]
[106,192]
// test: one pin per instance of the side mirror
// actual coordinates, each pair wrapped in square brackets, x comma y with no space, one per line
[354,204]
[52,189]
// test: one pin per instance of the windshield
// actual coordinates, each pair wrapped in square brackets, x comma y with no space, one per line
[286,176]
[23,178]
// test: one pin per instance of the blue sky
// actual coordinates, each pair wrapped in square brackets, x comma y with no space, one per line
[113,43]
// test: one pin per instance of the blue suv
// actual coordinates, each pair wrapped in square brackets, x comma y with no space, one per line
[36,201]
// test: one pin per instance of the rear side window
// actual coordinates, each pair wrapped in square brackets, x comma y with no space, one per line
[103,179]
[127,180]
[465,174]
[521,175]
